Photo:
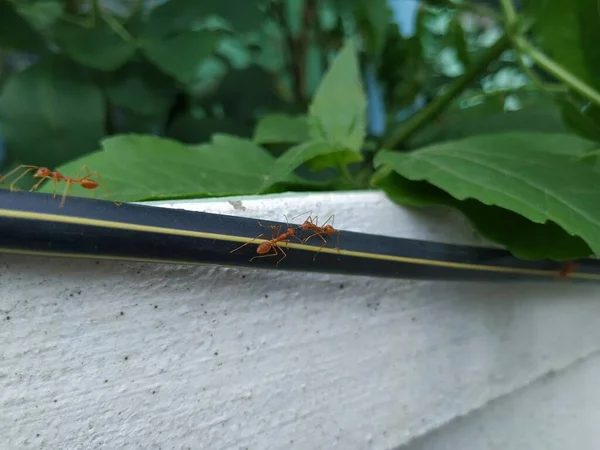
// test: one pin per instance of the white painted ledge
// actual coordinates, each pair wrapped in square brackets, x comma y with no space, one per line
[97,355]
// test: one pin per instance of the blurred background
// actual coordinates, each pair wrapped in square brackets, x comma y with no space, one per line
[75,71]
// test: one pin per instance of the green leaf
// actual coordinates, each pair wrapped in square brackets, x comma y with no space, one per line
[526,239]
[99,46]
[537,114]
[140,167]
[51,113]
[538,176]
[336,157]
[142,89]
[16,33]
[582,122]
[337,114]
[568,31]
[180,56]
[294,158]
[179,15]
[281,128]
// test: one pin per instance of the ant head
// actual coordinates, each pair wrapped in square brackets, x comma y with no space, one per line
[42,172]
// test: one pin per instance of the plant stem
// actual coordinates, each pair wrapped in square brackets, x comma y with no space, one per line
[510,15]
[557,70]
[543,61]
[437,106]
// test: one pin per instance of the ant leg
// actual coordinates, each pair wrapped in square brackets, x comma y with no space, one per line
[276,229]
[320,248]
[12,185]
[331,217]
[83,168]
[64,196]
[302,214]
[16,169]
[37,185]
[100,182]
[268,255]
[250,242]
[275,253]
[282,258]
[296,237]
[316,233]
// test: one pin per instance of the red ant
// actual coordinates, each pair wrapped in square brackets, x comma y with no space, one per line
[310,224]
[269,247]
[46,174]
[568,268]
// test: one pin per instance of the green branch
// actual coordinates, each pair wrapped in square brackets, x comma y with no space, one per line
[542,60]
[557,70]
[437,106]
[510,14]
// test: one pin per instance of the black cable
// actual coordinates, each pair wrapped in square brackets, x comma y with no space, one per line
[32,223]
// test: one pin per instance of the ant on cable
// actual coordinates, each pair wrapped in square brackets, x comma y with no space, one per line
[567,269]
[46,174]
[269,247]
[310,224]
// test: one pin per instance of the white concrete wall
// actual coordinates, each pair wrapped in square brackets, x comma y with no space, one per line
[108,355]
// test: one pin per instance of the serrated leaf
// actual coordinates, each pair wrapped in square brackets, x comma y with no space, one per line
[16,33]
[524,238]
[51,112]
[538,176]
[281,128]
[141,167]
[99,46]
[180,55]
[337,114]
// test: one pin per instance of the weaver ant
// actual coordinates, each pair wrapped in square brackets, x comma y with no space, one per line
[568,268]
[269,247]
[46,174]
[310,224]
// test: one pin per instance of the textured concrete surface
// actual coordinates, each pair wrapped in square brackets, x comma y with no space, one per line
[98,355]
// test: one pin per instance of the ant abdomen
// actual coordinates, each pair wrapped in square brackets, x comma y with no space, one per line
[89,184]
[264,247]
